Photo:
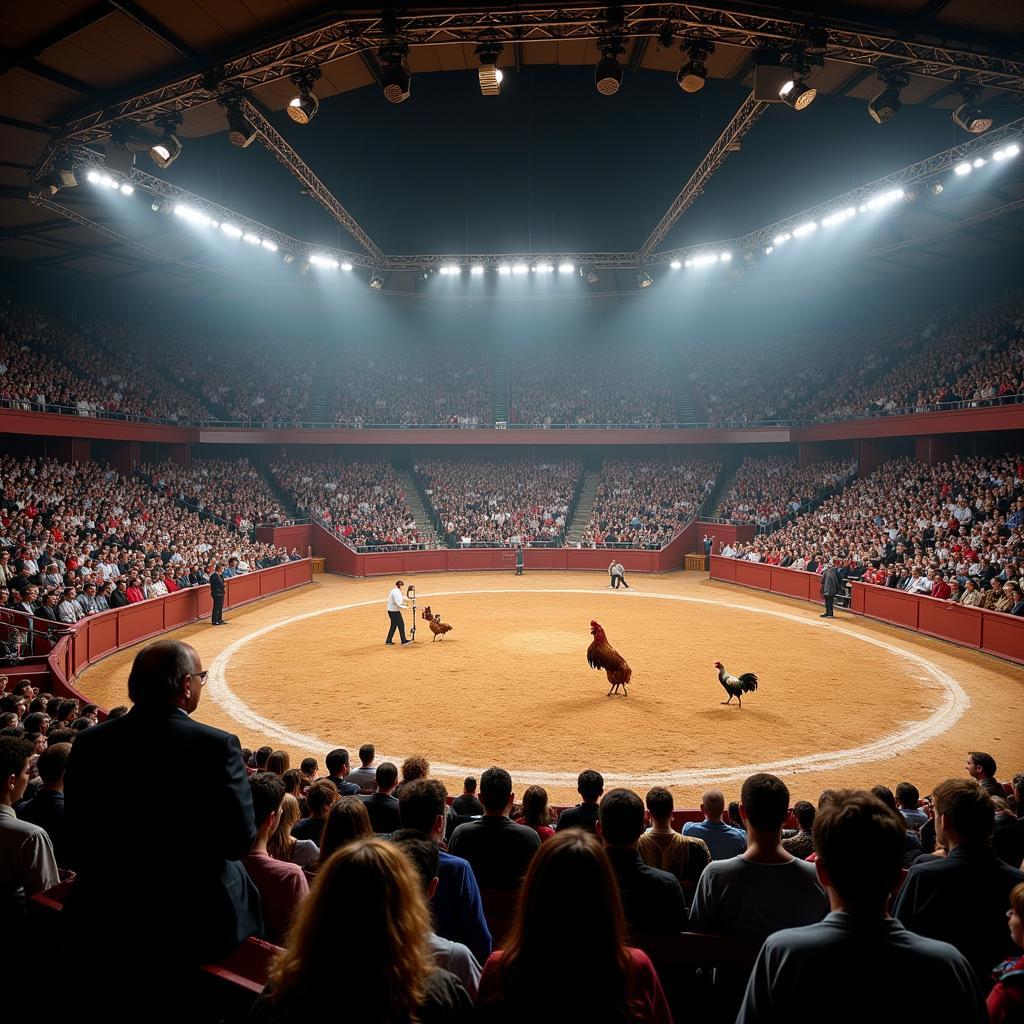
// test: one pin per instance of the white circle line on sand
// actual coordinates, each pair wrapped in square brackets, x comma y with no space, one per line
[954,702]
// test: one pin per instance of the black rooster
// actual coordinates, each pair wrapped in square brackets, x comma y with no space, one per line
[746,683]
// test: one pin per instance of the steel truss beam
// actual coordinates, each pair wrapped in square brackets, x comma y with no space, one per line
[342,37]
[750,110]
[300,170]
[491,261]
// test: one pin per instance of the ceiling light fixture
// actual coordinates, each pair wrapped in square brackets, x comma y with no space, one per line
[303,107]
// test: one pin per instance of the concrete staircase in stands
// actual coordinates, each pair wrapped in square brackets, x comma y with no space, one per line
[686,408]
[584,507]
[284,499]
[320,398]
[500,387]
[424,521]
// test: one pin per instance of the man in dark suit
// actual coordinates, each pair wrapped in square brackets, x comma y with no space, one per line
[829,589]
[156,851]
[590,786]
[382,805]
[217,593]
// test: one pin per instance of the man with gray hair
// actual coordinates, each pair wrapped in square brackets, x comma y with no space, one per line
[156,852]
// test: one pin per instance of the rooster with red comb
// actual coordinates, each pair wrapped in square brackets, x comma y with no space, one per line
[601,654]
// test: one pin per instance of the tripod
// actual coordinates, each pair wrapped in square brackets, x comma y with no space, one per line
[411,594]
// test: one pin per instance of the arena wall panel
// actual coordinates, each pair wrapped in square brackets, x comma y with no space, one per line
[724,533]
[97,636]
[300,537]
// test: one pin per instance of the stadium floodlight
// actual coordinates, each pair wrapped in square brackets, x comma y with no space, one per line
[805,229]
[231,230]
[327,262]
[504,270]
[451,270]
[644,280]
[268,245]
[302,108]
[725,257]
[251,239]
[962,168]
[241,132]
[167,148]
[979,162]
[769,249]
[544,268]
[796,94]
[477,271]
[519,269]
[93,177]
[1006,153]
[377,281]
[346,266]
[693,74]
[126,189]
[566,268]
[885,106]
[489,74]
[968,114]
[675,264]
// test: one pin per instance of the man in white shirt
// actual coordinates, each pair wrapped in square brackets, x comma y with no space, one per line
[396,602]
[69,610]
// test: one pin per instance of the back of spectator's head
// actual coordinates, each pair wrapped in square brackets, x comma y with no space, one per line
[386,776]
[262,756]
[660,804]
[68,710]
[963,807]
[621,817]
[764,801]
[309,766]
[267,795]
[336,761]
[9,720]
[885,794]
[415,767]
[590,785]
[366,754]
[14,754]
[535,805]
[420,803]
[804,812]
[907,795]
[469,785]
[63,735]
[158,674]
[293,780]
[348,820]
[495,790]
[985,763]
[422,853]
[320,796]
[118,712]
[860,841]
[824,797]
[278,762]
[713,804]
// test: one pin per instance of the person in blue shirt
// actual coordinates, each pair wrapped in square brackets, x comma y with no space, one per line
[231,570]
[723,840]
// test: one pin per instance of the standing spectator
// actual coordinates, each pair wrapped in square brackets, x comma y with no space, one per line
[217,595]
[612,981]
[982,768]
[859,841]
[282,886]
[961,898]
[724,841]
[829,589]
[365,776]
[590,786]
[662,847]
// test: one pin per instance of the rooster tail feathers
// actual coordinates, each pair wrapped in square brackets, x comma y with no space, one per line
[748,681]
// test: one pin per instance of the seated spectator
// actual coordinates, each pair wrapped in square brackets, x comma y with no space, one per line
[375,884]
[1008,837]
[498,850]
[599,977]
[724,841]
[911,843]
[1006,1000]
[448,955]
[282,886]
[908,800]
[365,776]
[652,899]
[467,805]
[801,844]
[535,812]
[961,898]
[338,769]
[458,908]
[982,768]
[283,846]
[859,842]
[320,797]
[664,848]
[415,767]
[347,821]
[27,863]
[46,808]
[381,804]
[590,786]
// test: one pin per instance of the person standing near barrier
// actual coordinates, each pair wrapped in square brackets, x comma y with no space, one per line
[396,602]
[519,560]
[829,589]
[618,574]
[217,594]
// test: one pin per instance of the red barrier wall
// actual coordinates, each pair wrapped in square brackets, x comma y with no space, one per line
[289,537]
[96,636]
[991,632]
[724,533]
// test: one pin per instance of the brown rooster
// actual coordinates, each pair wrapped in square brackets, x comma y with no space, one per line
[437,627]
[601,654]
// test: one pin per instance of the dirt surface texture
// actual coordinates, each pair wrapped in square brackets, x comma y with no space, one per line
[843,702]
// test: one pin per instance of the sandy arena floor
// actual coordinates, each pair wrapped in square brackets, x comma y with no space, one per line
[848,702]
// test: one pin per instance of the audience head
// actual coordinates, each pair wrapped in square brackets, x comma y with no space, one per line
[52,762]
[980,765]
[280,842]
[164,673]
[469,785]
[293,780]
[367,754]
[337,763]
[621,820]
[1015,915]
[415,767]
[535,805]
[278,762]
[804,812]
[590,785]
[347,820]
[496,791]
[386,777]
[423,855]
[885,794]
[421,806]
[660,805]
[117,712]
[320,797]
[964,813]
[712,803]
[15,752]
[268,793]
[262,756]
[309,767]
[907,796]
[764,802]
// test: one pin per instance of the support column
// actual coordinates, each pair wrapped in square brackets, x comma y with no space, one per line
[871,453]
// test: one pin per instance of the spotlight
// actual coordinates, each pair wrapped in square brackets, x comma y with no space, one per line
[519,269]
[544,268]
[346,266]
[504,270]
[885,106]
[968,115]
[126,189]
[327,262]
[397,83]
[477,271]
[489,74]
[798,95]
[692,75]
[231,230]
[167,148]
[44,186]
[676,264]
[1007,153]
[268,245]
[608,73]
[161,206]
[566,268]
[979,162]
[240,131]
[376,281]
[288,257]
[936,188]
[725,257]
[962,168]
[303,107]
[644,280]
[589,274]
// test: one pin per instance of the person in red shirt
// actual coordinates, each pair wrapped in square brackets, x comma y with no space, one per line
[1006,1000]
[940,588]
[134,592]
[535,812]
[610,978]
[169,583]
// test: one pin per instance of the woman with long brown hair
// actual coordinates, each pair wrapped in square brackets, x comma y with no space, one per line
[348,820]
[368,888]
[535,812]
[566,956]
[282,845]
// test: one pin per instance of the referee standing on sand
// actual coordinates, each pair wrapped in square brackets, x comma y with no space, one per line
[217,593]
[396,602]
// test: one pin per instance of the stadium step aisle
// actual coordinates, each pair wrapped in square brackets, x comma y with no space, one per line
[584,507]
[424,522]
[499,387]
[686,409]
[319,410]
